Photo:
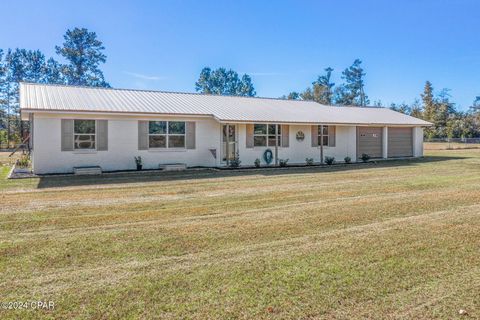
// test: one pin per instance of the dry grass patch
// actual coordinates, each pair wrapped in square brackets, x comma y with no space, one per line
[391,240]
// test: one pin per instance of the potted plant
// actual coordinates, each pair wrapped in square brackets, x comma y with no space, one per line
[139,163]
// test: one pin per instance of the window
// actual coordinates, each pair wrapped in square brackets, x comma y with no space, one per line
[166,134]
[264,135]
[84,134]
[325,135]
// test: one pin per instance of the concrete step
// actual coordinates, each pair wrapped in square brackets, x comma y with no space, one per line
[173,166]
[93,170]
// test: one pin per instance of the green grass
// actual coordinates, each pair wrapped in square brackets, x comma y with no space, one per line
[388,240]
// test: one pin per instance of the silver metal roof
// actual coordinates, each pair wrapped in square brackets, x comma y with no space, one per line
[61,98]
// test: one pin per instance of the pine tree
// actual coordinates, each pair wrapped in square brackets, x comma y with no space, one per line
[323,88]
[428,102]
[224,82]
[352,92]
[84,53]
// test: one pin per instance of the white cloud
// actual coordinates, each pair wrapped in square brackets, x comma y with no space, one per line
[144,76]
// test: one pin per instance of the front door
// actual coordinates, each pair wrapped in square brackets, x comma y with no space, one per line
[229,142]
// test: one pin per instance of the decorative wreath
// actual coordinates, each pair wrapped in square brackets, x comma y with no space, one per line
[268,156]
[300,136]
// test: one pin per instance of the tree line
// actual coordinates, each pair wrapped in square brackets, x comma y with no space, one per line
[82,54]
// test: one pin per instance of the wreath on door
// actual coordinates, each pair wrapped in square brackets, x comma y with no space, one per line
[300,136]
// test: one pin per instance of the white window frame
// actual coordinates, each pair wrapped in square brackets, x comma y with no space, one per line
[267,135]
[167,134]
[85,134]
[325,135]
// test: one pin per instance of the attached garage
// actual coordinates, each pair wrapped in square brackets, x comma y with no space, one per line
[369,141]
[400,142]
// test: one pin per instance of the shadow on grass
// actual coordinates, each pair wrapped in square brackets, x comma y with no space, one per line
[52,181]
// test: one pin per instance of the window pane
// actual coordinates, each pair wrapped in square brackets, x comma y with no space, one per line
[84,126]
[176,127]
[157,127]
[157,141]
[271,129]
[325,140]
[259,141]
[271,141]
[325,130]
[84,141]
[260,129]
[231,133]
[176,141]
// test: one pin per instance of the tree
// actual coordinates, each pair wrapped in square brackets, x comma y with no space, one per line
[416,109]
[84,53]
[3,99]
[402,108]
[291,96]
[323,88]
[53,72]
[352,92]
[224,82]
[307,95]
[428,102]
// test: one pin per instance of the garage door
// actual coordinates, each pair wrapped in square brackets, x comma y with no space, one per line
[369,141]
[400,142]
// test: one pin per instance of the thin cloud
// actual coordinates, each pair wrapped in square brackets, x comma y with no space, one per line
[144,76]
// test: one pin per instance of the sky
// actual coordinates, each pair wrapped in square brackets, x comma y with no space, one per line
[283,45]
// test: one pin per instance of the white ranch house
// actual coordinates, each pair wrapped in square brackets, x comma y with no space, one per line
[80,127]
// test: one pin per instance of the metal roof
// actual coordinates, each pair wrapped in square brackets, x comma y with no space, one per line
[62,98]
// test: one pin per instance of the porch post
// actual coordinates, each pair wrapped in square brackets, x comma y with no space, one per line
[321,144]
[227,144]
[276,144]
[385,142]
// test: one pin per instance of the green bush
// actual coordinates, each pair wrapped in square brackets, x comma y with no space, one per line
[347,159]
[23,162]
[309,161]
[257,163]
[283,162]
[365,157]
[235,163]
[329,160]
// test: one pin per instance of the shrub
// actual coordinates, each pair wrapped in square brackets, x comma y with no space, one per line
[283,162]
[235,163]
[365,157]
[138,161]
[329,160]
[257,163]
[347,159]
[309,161]
[23,162]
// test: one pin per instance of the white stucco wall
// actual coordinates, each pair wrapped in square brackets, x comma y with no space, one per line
[299,150]
[123,145]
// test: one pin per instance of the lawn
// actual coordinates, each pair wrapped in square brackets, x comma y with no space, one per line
[388,240]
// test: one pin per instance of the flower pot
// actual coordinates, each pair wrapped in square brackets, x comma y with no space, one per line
[139,167]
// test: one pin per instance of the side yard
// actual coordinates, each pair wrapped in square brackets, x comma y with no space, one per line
[389,240]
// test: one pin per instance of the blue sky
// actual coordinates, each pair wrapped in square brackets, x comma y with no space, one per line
[283,45]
